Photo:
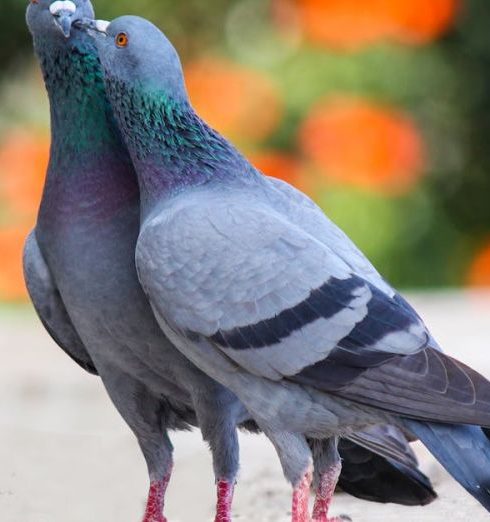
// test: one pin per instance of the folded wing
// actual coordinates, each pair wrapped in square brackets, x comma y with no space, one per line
[282,305]
[50,307]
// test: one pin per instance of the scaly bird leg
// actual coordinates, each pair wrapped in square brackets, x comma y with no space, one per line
[324,495]
[301,495]
[225,499]
[156,500]
[327,471]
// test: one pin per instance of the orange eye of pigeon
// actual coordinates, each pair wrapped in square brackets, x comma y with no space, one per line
[34,1]
[122,40]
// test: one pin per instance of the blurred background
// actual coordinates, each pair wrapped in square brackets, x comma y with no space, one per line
[379,110]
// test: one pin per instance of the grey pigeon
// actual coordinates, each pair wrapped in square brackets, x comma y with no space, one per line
[252,282]
[79,266]
[80,270]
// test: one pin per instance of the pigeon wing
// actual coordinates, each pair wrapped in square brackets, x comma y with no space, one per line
[311,218]
[50,308]
[236,274]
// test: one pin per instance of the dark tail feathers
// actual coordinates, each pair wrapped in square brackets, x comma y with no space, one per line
[464,451]
[372,477]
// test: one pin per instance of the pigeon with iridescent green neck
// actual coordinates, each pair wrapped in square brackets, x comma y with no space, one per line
[251,281]
[80,269]
[79,265]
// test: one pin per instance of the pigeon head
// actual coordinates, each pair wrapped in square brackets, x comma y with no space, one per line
[73,78]
[136,53]
[169,144]
[53,22]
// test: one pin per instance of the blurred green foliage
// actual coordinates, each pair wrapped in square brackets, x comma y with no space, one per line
[14,37]
[425,238]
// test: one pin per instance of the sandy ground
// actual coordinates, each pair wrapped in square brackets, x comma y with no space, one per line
[66,456]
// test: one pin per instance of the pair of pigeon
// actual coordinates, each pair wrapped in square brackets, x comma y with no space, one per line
[204,293]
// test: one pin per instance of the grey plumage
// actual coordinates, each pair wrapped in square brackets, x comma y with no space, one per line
[80,270]
[259,289]
[49,306]
[79,263]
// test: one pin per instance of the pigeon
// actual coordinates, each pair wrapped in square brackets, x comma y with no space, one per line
[80,269]
[257,287]
[80,272]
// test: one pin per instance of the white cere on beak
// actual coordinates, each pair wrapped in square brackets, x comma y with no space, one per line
[102,25]
[59,6]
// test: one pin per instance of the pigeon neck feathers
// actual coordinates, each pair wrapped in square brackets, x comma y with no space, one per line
[75,86]
[171,147]
[90,171]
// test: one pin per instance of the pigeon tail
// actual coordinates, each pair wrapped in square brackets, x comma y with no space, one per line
[464,451]
[371,477]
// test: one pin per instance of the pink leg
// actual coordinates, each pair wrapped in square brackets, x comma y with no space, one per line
[225,500]
[156,501]
[301,495]
[324,495]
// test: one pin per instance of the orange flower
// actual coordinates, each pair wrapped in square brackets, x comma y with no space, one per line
[350,24]
[357,143]
[12,286]
[241,103]
[479,271]
[286,167]
[420,21]
[345,24]
[23,160]
[278,165]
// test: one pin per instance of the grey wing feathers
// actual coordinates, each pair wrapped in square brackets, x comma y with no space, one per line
[427,385]
[237,275]
[217,267]
[50,308]
[313,220]
[388,441]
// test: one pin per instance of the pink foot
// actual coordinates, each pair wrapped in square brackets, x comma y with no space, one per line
[324,518]
[225,500]
[324,496]
[301,495]
[156,500]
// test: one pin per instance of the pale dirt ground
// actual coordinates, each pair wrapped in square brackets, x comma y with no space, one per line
[65,455]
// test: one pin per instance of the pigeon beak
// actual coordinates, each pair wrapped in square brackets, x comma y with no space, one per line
[64,20]
[63,12]
[93,27]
